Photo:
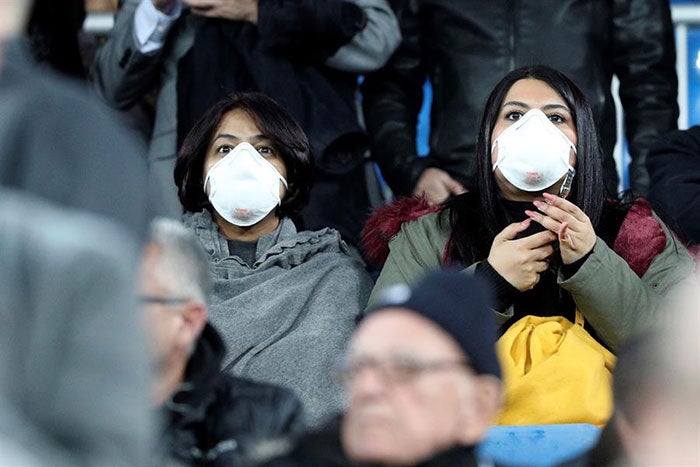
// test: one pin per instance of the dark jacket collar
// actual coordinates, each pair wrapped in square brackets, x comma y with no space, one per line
[324,448]
[190,400]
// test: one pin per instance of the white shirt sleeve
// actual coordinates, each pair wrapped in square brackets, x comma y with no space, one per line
[151,26]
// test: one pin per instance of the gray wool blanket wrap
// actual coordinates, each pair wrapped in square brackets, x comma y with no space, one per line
[287,318]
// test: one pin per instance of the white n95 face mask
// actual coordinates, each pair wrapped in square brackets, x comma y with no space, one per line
[243,186]
[533,154]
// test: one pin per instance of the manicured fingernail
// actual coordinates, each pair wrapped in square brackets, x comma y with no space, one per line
[539,204]
[530,214]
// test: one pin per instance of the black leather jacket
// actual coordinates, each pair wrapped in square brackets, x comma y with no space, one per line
[466,47]
[674,166]
[218,420]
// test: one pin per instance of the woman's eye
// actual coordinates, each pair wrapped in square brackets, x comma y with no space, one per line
[556,118]
[225,149]
[265,150]
[513,115]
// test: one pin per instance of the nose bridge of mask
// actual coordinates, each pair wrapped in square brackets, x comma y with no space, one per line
[247,151]
[538,121]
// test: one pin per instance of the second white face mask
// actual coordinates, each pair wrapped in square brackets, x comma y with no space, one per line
[243,186]
[533,154]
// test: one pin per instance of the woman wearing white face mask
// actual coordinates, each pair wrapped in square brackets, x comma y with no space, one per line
[284,300]
[538,226]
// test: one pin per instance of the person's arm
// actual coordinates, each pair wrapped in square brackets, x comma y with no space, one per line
[644,59]
[371,47]
[308,30]
[674,169]
[616,301]
[128,65]
[392,98]
[417,249]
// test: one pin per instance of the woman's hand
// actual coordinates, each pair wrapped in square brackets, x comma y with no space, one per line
[521,261]
[235,10]
[436,186]
[571,225]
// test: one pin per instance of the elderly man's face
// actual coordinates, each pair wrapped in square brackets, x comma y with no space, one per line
[411,392]
[163,321]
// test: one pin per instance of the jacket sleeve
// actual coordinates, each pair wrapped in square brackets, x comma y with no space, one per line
[372,46]
[674,169]
[392,98]
[644,58]
[121,73]
[616,301]
[353,35]
[415,250]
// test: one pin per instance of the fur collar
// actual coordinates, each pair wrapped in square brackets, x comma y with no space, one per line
[386,221]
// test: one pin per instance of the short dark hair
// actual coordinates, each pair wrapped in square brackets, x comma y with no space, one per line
[275,123]
[587,190]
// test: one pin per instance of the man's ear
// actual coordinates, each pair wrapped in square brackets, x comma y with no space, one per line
[194,318]
[489,397]
[487,400]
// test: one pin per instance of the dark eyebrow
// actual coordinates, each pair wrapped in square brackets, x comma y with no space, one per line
[254,139]
[546,107]
[516,104]
[556,106]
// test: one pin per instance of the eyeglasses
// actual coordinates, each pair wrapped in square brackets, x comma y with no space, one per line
[162,300]
[393,371]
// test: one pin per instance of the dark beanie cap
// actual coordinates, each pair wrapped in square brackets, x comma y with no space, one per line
[459,304]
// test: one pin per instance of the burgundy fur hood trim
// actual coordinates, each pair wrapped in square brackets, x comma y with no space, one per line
[641,237]
[385,222]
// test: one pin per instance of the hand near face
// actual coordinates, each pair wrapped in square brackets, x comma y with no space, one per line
[437,185]
[571,225]
[235,10]
[521,261]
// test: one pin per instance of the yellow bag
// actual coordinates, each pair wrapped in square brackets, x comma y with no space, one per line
[554,372]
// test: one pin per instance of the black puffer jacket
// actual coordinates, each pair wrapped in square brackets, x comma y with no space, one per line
[217,420]
[466,47]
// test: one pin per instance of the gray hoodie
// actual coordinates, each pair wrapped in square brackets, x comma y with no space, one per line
[286,319]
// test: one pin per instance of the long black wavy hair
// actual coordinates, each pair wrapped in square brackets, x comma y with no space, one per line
[475,224]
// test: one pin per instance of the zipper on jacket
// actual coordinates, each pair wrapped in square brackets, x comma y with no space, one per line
[513,6]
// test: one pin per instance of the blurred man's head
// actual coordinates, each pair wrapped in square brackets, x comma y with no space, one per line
[421,372]
[174,285]
[13,17]
[657,391]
